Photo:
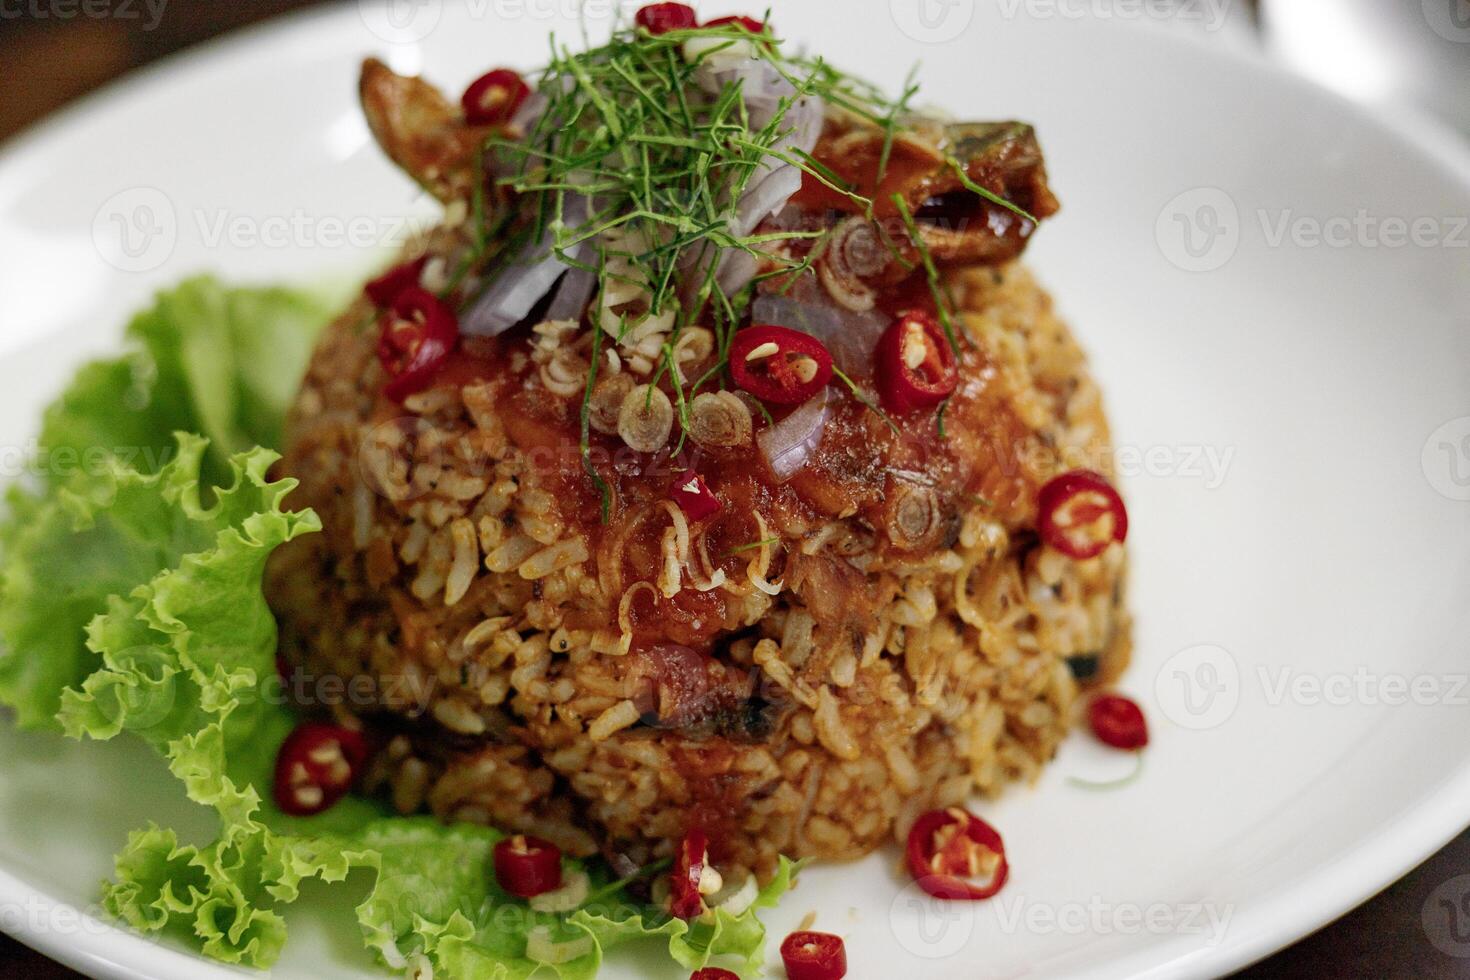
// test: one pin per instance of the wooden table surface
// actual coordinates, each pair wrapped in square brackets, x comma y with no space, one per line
[45,63]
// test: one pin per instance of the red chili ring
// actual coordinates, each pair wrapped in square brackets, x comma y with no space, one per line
[714,973]
[660,18]
[940,866]
[748,23]
[419,334]
[315,767]
[694,496]
[1117,721]
[494,97]
[915,364]
[1071,508]
[387,287]
[685,901]
[527,866]
[788,367]
[814,956]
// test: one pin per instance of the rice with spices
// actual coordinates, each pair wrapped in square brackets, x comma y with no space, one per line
[805,683]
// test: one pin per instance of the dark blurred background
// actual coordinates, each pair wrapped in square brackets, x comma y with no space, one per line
[47,62]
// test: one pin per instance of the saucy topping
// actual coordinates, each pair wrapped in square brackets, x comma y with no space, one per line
[670,383]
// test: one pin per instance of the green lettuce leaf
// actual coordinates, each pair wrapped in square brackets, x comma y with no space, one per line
[131,601]
[208,359]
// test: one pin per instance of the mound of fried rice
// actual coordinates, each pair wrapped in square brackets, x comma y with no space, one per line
[837,650]
[450,584]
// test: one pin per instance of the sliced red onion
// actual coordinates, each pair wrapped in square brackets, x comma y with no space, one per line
[762,87]
[521,283]
[851,337]
[761,200]
[789,443]
[572,295]
[529,113]
[514,293]
[737,267]
[770,187]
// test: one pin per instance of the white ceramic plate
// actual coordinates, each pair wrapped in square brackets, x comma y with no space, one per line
[1292,417]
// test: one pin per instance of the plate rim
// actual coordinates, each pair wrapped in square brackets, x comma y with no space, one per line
[1310,902]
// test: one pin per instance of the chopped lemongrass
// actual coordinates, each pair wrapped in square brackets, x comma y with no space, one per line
[568,898]
[543,949]
[1105,785]
[735,901]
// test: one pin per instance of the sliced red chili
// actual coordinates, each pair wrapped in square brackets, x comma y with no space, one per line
[527,866]
[779,365]
[660,18]
[915,364]
[419,334]
[945,847]
[685,901]
[814,956]
[1117,721]
[494,97]
[748,23]
[694,496]
[714,973]
[316,766]
[387,287]
[1080,514]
